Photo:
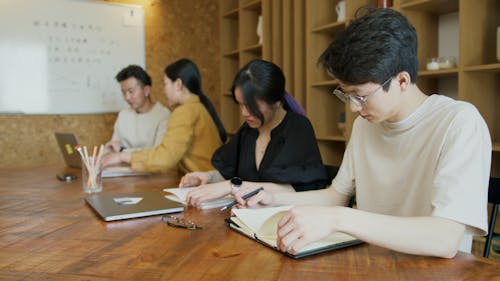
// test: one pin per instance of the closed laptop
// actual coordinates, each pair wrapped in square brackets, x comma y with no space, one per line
[112,207]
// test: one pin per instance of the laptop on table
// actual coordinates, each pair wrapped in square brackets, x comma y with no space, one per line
[67,143]
[111,207]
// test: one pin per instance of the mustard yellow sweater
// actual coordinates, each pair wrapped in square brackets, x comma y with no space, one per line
[188,144]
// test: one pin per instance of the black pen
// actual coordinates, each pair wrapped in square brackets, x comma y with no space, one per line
[244,197]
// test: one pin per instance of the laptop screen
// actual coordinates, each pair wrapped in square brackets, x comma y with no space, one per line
[67,143]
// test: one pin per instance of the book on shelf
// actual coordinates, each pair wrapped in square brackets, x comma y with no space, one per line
[261,225]
[180,194]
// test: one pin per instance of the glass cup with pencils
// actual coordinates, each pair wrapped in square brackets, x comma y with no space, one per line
[91,169]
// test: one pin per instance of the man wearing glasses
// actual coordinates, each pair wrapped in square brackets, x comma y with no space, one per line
[418,165]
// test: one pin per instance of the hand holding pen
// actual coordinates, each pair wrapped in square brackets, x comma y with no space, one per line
[244,197]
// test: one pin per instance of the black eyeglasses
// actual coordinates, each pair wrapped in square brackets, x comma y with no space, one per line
[179,222]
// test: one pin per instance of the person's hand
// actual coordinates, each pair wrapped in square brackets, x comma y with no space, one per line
[113,146]
[194,179]
[303,225]
[111,159]
[207,192]
[261,199]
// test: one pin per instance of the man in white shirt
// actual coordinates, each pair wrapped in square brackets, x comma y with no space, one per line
[143,124]
[418,165]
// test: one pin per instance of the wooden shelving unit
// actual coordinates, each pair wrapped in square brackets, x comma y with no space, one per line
[476,78]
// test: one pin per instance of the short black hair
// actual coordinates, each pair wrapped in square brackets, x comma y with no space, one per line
[134,71]
[374,47]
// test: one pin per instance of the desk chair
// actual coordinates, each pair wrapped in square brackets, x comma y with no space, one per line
[494,198]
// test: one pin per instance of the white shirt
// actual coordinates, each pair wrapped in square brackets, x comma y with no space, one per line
[436,162]
[141,130]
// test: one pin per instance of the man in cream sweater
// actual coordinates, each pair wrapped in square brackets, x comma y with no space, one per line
[143,124]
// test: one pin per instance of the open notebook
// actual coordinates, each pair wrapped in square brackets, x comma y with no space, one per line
[180,194]
[261,225]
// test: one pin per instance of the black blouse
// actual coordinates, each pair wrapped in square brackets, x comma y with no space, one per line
[291,157]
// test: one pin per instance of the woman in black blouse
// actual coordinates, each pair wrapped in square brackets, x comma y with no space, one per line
[275,147]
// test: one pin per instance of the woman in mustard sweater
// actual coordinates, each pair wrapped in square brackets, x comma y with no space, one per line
[194,130]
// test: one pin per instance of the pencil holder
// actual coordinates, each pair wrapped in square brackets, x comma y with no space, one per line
[91,179]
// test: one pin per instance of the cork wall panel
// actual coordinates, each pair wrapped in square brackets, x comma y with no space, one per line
[174,29]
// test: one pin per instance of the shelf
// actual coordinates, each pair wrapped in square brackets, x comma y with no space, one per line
[330,27]
[257,48]
[494,67]
[227,93]
[438,7]
[232,14]
[254,5]
[338,138]
[232,54]
[496,146]
[452,72]
[326,83]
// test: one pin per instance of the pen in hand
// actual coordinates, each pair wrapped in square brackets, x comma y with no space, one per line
[244,197]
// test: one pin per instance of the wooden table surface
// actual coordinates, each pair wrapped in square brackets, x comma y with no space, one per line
[47,232]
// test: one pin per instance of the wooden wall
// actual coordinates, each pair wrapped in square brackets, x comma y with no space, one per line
[174,29]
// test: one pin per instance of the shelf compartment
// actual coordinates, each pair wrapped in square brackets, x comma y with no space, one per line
[229,68]
[248,27]
[437,7]
[332,152]
[230,114]
[481,89]
[324,109]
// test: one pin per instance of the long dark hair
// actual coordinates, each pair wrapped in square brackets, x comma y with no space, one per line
[263,80]
[189,74]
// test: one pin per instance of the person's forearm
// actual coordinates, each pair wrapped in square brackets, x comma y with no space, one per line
[431,236]
[215,176]
[322,197]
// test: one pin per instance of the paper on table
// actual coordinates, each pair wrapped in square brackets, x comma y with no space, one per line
[180,194]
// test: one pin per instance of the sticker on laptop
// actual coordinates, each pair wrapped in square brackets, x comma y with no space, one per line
[127,200]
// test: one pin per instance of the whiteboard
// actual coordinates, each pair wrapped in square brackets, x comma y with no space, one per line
[61,56]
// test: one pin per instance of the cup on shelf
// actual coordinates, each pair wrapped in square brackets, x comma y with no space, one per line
[259,29]
[432,64]
[340,9]
[447,62]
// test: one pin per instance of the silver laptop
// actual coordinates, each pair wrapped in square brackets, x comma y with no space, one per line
[112,207]
[67,143]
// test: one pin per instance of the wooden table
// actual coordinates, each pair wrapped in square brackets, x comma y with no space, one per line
[47,232]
